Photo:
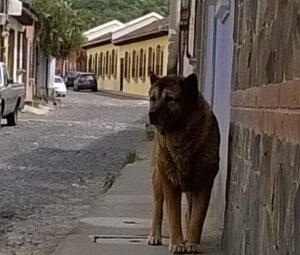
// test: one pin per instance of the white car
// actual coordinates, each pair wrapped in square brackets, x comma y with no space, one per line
[60,88]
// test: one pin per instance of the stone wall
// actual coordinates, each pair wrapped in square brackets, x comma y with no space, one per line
[264,148]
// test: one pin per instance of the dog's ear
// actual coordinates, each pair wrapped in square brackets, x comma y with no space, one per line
[190,86]
[153,78]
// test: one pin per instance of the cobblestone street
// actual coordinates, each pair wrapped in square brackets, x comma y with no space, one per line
[53,166]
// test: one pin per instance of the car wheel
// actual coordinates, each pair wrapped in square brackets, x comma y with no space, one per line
[94,89]
[12,119]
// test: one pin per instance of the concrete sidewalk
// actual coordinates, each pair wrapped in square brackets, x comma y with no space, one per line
[119,221]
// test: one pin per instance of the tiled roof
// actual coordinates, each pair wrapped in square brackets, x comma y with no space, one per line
[103,39]
[154,29]
[159,27]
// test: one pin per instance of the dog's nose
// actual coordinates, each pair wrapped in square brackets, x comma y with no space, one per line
[153,116]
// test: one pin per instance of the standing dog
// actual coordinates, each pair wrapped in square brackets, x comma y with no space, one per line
[185,158]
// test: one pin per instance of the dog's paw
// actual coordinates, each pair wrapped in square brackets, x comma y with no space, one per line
[177,248]
[192,248]
[155,240]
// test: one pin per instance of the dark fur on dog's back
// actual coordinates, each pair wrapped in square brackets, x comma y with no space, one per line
[186,150]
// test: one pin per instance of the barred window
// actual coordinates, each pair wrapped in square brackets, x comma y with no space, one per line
[101,64]
[96,64]
[141,63]
[149,60]
[133,64]
[158,54]
[162,62]
[107,63]
[116,64]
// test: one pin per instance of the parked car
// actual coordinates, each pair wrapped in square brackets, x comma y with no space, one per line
[85,81]
[70,78]
[12,97]
[59,87]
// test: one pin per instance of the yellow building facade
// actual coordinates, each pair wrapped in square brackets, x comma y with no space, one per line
[139,60]
[125,64]
[104,61]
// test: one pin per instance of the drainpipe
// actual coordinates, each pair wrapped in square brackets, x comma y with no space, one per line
[174,32]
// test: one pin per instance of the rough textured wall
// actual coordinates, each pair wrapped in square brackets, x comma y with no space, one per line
[264,180]
[264,160]
[267,38]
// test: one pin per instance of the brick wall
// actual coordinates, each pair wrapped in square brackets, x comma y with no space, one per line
[264,160]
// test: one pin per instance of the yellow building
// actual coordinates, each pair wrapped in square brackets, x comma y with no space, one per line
[124,64]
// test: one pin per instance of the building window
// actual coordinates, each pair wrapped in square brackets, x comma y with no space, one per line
[133,64]
[90,64]
[144,66]
[107,63]
[153,62]
[141,63]
[113,59]
[149,60]
[109,66]
[96,64]
[116,64]
[101,64]
[158,53]
[137,66]
[161,63]
[127,66]
[104,64]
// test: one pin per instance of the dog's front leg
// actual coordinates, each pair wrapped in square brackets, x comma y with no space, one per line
[155,237]
[200,202]
[173,205]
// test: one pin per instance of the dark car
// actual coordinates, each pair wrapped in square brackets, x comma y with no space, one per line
[70,78]
[85,81]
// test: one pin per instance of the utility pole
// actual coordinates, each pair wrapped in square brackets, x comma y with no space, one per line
[174,32]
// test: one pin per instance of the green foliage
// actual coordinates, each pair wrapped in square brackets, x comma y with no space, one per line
[59,26]
[131,157]
[123,10]
[150,134]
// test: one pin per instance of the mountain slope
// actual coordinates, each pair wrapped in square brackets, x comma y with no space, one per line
[123,10]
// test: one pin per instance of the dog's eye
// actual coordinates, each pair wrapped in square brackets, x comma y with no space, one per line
[152,98]
[169,98]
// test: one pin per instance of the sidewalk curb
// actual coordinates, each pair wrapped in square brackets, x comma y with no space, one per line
[121,95]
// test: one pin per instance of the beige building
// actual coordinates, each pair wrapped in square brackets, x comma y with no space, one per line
[124,63]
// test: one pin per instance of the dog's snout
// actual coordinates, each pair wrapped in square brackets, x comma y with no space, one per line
[152,113]
[153,116]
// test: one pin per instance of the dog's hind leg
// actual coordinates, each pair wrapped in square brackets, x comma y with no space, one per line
[155,237]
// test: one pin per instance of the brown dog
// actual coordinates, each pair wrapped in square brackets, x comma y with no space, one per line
[185,158]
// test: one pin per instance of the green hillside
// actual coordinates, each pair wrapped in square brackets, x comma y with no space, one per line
[123,10]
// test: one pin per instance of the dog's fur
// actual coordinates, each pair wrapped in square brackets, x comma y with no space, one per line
[185,158]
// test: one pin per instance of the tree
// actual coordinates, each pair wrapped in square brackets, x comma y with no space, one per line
[59,28]
[123,10]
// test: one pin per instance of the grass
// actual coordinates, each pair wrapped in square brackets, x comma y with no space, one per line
[130,158]
[150,134]
[111,178]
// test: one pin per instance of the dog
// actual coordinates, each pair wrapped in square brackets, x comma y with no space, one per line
[185,159]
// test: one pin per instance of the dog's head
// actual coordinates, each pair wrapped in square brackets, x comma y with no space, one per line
[172,99]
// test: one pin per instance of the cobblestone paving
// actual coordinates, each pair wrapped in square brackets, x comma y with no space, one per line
[52,167]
